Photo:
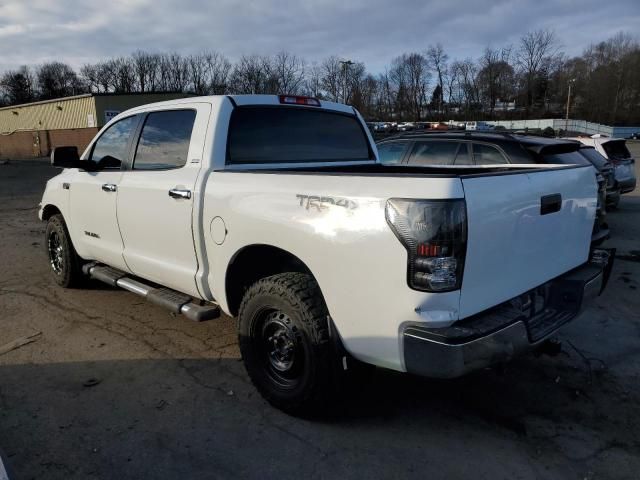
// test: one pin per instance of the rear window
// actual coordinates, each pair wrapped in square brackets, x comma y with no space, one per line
[594,157]
[259,135]
[569,158]
[616,149]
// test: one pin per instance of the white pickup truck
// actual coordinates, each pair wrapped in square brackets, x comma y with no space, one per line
[275,209]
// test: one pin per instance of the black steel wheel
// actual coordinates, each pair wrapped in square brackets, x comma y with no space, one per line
[285,344]
[282,347]
[63,259]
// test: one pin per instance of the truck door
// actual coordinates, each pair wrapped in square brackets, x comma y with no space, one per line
[156,196]
[93,193]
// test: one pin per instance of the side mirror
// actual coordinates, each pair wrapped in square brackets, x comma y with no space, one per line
[108,162]
[65,157]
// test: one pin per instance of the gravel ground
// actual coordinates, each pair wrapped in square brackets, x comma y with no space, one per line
[113,387]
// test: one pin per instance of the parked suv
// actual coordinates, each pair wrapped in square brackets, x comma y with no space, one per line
[615,150]
[607,170]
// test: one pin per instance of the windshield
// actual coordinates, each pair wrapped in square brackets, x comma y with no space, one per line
[594,157]
[266,134]
[616,149]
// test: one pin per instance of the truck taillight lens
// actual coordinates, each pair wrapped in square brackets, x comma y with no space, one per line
[434,232]
[299,100]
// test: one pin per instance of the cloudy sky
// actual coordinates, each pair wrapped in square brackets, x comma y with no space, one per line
[78,32]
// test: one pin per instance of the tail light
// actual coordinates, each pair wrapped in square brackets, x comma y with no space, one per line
[299,100]
[434,232]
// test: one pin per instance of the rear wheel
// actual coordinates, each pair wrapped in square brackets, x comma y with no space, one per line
[285,344]
[63,259]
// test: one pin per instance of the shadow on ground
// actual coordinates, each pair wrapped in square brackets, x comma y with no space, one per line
[539,418]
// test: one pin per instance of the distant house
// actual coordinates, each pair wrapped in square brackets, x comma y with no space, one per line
[502,106]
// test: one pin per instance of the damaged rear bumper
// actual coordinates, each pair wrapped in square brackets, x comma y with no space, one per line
[502,332]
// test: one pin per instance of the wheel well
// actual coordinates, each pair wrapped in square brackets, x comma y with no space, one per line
[253,263]
[49,211]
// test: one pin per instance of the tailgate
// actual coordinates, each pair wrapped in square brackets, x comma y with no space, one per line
[514,242]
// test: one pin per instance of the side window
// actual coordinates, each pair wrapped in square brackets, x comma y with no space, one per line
[392,153]
[110,150]
[433,152]
[164,140]
[487,155]
[463,157]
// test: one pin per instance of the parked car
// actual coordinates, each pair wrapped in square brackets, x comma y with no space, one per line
[607,170]
[478,126]
[615,150]
[487,148]
[276,210]
[406,126]
[634,136]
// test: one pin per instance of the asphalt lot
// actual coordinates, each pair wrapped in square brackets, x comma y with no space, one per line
[114,387]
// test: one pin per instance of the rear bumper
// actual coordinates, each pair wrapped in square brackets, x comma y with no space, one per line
[499,334]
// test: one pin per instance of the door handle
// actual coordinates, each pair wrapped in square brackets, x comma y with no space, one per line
[109,187]
[550,204]
[179,193]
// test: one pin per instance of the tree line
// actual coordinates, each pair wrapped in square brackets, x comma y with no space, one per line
[530,79]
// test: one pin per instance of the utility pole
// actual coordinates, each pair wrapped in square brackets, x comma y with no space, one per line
[566,118]
[345,65]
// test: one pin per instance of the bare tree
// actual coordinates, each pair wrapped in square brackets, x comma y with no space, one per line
[385,98]
[496,76]
[332,78]
[56,79]
[145,66]
[313,81]
[410,79]
[250,75]
[534,56]
[466,89]
[17,86]
[288,71]
[198,74]
[218,71]
[438,59]
[176,70]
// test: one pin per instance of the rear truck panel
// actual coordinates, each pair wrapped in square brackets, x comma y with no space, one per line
[336,225]
[524,229]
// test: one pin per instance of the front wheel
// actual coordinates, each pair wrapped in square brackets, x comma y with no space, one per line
[285,344]
[63,259]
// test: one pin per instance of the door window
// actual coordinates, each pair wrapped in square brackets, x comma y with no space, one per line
[110,150]
[433,153]
[463,157]
[164,141]
[392,153]
[487,155]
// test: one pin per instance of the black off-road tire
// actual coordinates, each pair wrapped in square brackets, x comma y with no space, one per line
[292,302]
[66,266]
